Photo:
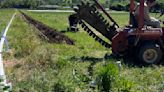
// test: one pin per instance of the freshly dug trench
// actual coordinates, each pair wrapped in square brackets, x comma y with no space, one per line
[52,34]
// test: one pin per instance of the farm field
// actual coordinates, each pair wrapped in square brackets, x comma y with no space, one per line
[34,65]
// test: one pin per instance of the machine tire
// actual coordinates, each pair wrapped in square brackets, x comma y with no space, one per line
[150,54]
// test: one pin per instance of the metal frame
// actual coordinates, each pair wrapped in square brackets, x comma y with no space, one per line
[120,41]
[141,16]
[141,13]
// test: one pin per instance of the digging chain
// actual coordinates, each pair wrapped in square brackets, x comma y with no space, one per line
[92,34]
[90,14]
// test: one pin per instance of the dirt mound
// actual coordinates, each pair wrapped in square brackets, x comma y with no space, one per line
[51,34]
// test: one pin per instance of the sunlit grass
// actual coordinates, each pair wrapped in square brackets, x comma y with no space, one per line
[46,66]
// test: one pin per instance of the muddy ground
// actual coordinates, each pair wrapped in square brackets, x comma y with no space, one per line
[51,35]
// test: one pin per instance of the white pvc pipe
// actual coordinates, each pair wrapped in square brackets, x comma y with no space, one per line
[2,71]
[62,11]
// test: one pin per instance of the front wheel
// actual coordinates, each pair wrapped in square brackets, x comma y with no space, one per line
[150,54]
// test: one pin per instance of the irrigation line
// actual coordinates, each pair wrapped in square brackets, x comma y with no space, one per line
[2,41]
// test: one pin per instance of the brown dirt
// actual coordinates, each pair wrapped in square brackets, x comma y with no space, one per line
[52,34]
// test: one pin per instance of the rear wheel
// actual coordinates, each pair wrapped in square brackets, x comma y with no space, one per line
[150,54]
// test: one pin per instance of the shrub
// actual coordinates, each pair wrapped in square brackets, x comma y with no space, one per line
[109,80]
[118,7]
[61,87]
[107,76]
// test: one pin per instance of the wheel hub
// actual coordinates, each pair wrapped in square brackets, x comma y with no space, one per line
[150,56]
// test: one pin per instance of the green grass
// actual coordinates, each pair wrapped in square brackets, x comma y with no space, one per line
[38,66]
[5,16]
[54,20]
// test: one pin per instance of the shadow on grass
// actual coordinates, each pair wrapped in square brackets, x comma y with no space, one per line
[127,60]
[67,31]
[132,62]
[87,59]
[72,30]
[64,31]
[93,61]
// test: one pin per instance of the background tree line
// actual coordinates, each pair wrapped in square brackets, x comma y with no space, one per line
[119,5]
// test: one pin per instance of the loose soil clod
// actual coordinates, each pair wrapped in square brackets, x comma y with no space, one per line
[50,33]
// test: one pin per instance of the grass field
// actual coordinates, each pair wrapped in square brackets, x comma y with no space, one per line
[38,66]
